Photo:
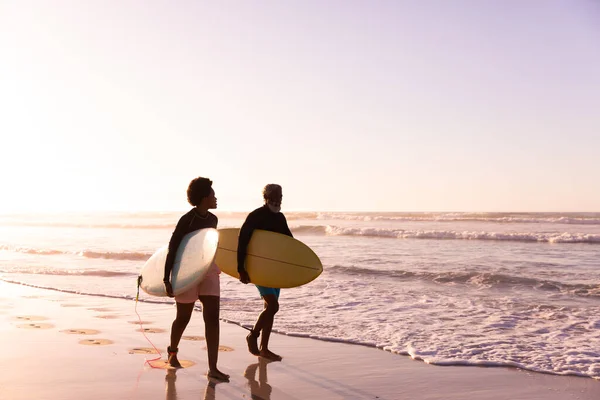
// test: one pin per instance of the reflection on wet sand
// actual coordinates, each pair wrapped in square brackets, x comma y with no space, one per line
[259,390]
[171,389]
[256,375]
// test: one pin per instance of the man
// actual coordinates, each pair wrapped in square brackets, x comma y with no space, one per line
[268,218]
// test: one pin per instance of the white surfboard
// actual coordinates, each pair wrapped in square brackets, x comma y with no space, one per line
[194,257]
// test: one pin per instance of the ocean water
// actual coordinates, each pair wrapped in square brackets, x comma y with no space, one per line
[494,289]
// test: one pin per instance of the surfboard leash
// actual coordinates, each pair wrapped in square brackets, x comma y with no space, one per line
[137,296]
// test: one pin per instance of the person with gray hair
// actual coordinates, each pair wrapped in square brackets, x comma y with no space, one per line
[268,218]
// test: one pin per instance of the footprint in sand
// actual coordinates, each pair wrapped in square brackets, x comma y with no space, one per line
[163,364]
[143,350]
[151,330]
[107,316]
[223,348]
[139,322]
[100,309]
[96,342]
[81,331]
[29,318]
[193,338]
[35,325]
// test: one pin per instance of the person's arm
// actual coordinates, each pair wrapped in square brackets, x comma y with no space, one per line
[243,240]
[286,228]
[174,243]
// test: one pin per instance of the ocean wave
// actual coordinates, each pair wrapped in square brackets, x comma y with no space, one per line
[309,229]
[459,217]
[108,255]
[565,237]
[27,250]
[167,220]
[90,225]
[482,279]
[66,272]
[132,256]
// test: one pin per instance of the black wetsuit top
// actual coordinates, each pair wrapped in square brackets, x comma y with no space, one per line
[261,218]
[190,222]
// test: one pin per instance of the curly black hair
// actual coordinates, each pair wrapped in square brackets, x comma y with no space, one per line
[198,189]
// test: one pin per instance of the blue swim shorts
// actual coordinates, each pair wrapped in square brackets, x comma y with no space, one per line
[267,290]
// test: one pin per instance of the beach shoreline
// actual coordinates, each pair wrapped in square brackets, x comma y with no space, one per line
[69,346]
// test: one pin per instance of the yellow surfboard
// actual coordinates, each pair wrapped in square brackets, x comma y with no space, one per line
[272,259]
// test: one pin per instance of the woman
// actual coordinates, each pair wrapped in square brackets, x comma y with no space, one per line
[200,195]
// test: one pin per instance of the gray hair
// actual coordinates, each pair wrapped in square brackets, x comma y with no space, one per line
[271,189]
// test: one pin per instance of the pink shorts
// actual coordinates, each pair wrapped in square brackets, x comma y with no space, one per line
[209,286]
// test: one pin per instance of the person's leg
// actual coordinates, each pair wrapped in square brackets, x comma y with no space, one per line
[252,338]
[210,313]
[184,313]
[268,314]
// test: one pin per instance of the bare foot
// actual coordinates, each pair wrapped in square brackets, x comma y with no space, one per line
[218,375]
[252,344]
[268,354]
[172,360]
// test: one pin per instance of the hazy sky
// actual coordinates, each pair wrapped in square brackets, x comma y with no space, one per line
[417,105]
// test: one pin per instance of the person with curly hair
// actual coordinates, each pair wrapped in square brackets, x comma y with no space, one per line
[201,195]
